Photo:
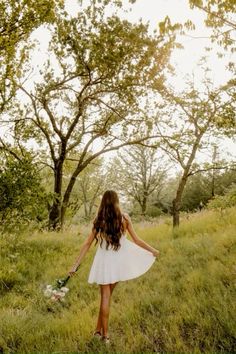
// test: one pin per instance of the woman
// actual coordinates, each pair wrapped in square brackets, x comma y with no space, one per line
[117,258]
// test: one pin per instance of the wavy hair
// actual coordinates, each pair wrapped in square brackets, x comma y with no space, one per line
[108,223]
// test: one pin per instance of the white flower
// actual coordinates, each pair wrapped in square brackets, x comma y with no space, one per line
[61,294]
[56,294]
[64,289]
[48,292]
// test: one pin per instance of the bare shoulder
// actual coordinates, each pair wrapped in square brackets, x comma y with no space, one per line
[127,217]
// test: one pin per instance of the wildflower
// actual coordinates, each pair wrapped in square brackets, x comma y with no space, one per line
[58,290]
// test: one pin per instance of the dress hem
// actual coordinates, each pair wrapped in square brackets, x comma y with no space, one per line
[125,279]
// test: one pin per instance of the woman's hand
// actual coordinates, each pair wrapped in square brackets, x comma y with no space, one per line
[72,271]
[156,253]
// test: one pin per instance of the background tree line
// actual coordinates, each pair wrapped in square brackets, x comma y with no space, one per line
[105,88]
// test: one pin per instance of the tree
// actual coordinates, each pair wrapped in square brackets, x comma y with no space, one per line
[199,186]
[222,202]
[89,186]
[139,173]
[190,119]
[103,66]
[220,17]
[22,196]
[18,19]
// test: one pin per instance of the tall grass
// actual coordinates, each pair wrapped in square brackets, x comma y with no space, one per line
[184,304]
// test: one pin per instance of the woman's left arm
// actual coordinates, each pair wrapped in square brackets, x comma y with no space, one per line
[84,249]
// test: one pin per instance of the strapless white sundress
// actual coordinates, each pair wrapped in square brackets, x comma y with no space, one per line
[110,266]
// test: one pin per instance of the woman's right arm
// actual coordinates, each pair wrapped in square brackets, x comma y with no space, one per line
[84,249]
[137,239]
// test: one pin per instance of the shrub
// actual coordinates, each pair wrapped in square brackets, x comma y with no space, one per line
[226,201]
[22,197]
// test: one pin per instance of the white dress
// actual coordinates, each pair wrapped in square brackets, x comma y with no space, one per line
[110,266]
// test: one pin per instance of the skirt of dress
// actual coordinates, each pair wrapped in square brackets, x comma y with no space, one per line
[110,266]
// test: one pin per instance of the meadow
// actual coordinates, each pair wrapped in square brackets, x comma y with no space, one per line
[184,304]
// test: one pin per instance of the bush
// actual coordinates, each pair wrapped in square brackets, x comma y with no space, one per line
[22,197]
[226,201]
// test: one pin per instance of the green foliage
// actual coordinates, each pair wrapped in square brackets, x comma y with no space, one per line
[195,120]
[104,64]
[153,211]
[139,173]
[197,190]
[225,118]
[18,19]
[222,202]
[89,186]
[202,185]
[184,304]
[219,17]
[22,197]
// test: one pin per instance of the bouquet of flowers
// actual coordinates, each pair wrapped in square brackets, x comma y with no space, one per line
[58,290]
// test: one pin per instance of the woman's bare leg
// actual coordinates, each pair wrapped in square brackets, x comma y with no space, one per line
[105,307]
[99,321]
[112,286]
[99,326]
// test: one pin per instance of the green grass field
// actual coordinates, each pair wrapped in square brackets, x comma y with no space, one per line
[184,304]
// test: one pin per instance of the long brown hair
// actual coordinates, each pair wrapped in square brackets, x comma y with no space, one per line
[108,223]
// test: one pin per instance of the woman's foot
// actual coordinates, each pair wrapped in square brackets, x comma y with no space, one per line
[97,334]
[106,339]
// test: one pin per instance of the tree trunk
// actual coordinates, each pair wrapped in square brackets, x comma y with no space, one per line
[176,203]
[54,215]
[66,198]
[55,211]
[144,206]
[175,212]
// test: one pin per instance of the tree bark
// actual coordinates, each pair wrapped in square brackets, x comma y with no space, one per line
[176,203]
[144,203]
[66,198]
[55,211]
